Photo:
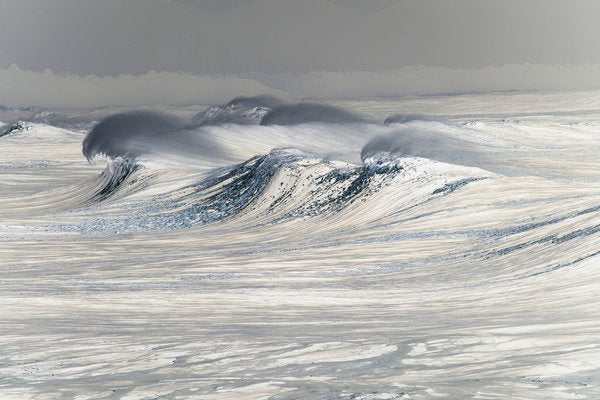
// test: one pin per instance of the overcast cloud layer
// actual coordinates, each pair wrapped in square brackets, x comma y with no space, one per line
[46,89]
[307,48]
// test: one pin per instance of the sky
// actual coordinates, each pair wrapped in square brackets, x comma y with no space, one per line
[292,45]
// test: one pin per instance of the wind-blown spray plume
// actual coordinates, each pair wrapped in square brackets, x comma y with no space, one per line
[428,144]
[143,133]
[301,113]
[404,118]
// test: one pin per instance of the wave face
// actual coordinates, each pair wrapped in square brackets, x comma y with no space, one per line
[118,172]
[267,250]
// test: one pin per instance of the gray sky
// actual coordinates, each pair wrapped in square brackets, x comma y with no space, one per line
[109,37]
[207,50]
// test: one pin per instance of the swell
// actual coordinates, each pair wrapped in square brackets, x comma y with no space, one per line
[384,202]
[285,184]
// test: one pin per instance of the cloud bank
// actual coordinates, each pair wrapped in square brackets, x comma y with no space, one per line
[435,80]
[47,89]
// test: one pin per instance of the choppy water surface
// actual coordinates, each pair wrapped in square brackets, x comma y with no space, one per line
[436,247]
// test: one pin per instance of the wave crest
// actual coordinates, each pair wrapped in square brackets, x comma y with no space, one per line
[241,111]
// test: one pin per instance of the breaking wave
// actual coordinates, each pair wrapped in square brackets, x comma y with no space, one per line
[130,135]
[140,134]
[135,142]
[282,185]
[268,110]
[241,111]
